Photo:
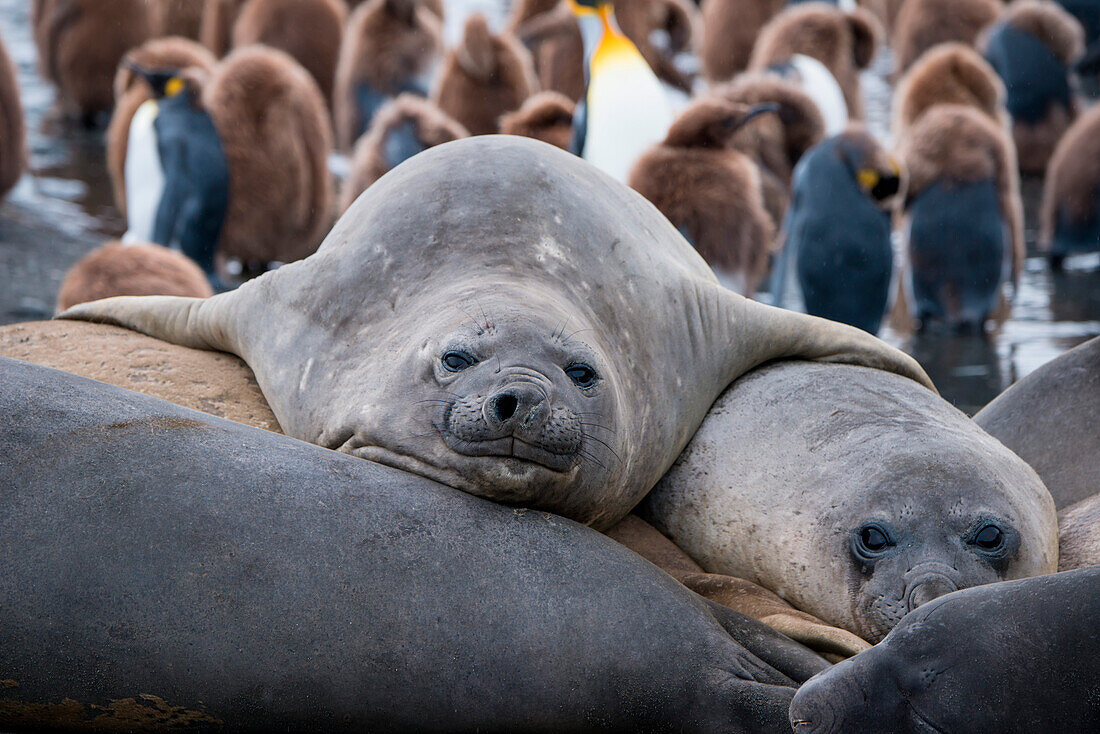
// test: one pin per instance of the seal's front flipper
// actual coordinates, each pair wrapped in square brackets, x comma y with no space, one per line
[794,660]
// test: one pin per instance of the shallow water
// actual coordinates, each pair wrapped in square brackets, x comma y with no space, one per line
[63,208]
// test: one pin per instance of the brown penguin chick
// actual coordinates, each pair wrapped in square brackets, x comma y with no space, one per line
[116,269]
[132,91]
[546,116]
[308,30]
[388,46]
[549,30]
[13,132]
[485,76]
[177,18]
[922,24]
[962,144]
[79,45]
[775,142]
[676,20]
[730,29]
[951,73]
[277,136]
[1071,191]
[218,17]
[845,42]
[1040,97]
[885,10]
[711,192]
[404,127]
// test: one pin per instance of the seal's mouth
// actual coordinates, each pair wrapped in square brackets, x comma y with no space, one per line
[513,448]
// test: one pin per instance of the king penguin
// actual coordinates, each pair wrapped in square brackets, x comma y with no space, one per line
[625,110]
[177,175]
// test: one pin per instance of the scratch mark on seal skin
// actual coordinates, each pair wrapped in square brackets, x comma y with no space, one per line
[305,375]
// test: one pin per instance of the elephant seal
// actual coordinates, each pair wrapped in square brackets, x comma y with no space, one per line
[1014,657]
[853,494]
[181,568]
[1049,419]
[498,315]
[1079,535]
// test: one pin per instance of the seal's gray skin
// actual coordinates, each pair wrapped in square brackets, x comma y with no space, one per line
[265,583]
[1019,657]
[1051,418]
[854,494]
[499,316]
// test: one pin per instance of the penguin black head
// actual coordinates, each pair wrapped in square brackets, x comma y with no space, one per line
[165,83]
[877,173]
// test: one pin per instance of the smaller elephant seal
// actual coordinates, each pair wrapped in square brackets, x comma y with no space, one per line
[1020,657]
[1049,419]
[853,495]
[1079,535]
[838,230]
[183,567]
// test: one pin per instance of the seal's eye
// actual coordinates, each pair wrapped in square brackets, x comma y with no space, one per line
[582,375]
[871,541]
[457,361]
[989,538]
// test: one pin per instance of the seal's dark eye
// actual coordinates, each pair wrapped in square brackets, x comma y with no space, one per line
[872,540]
[457,361]
[582,375]
[989,538]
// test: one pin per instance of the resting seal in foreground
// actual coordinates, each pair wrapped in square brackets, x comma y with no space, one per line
[1051,418]
[178,558]
[853,494]
[1015,657]
[498,315]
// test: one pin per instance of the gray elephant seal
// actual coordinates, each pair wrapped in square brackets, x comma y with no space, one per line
[1079,535]
[1015,657]
[499,316]
[853,494]
[180,568]
[1051,418]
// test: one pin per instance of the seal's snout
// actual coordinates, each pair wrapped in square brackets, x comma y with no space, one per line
[516,407]
[927,587]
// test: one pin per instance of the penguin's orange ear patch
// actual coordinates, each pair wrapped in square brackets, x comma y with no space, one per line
[173,86]
[868,178]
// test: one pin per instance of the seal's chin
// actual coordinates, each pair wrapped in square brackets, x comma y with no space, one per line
[512,449]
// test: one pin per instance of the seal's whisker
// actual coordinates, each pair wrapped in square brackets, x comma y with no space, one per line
[602,443]
[588,455]
[612,431]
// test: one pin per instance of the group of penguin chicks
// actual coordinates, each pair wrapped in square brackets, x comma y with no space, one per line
[765,167]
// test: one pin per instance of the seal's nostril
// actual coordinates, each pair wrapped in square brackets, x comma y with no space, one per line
[505,406]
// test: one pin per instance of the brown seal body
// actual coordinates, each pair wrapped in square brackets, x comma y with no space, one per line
[845,42]
[309,30]
[511,253]
[486,76]
[131,270]
[80,43]
[1079,535]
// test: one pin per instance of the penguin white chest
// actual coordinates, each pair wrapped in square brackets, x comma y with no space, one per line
[628,111]
[144,175]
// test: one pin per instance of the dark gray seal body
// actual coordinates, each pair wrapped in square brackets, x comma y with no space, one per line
[1051,419]
[498,315]
[854,494]
[177,568]
[1018,657]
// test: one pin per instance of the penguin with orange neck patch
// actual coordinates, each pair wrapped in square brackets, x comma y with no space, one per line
[625,109]
[711,192]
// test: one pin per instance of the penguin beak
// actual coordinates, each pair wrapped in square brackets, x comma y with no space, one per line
[158,79]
